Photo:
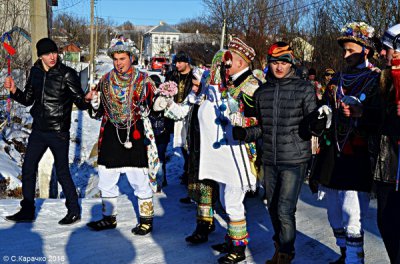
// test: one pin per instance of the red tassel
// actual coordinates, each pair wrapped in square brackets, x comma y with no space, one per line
[9,48]
[136,134]
[396,77]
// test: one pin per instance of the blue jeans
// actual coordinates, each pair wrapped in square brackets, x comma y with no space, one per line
[38,142]
[283,185]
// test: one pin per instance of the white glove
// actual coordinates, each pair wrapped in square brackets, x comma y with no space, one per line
[321,194]
[327,111]
[95,102]
[162,103]
[351,100]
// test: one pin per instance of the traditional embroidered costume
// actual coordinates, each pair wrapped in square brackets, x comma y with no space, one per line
[344,161]
[126,142]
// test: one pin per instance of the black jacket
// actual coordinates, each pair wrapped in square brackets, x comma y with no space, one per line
[175,76]
[281,104]
[348,148]
[52,94]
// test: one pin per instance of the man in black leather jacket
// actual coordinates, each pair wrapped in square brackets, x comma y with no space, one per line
[51,89]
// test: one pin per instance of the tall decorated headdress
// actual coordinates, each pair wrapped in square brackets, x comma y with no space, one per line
[238,46]
[358,32]
[121,45]
[222,61]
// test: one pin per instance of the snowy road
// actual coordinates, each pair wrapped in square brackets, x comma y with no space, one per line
[173,221]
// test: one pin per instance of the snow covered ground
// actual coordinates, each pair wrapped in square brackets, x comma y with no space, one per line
[173,222]
[49,242]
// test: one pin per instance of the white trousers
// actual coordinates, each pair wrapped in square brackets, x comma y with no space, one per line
[232,201]
[346,213]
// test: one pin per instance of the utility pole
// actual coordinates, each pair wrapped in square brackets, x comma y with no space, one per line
[38,18]
[223,35]
[141,50]
[91,65]
[95,41]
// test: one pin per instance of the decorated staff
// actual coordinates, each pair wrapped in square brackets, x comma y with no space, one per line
[6,40]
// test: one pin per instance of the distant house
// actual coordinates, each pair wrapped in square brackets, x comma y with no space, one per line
[71,52]
[158,41]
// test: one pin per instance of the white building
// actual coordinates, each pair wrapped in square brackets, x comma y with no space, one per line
[158,40]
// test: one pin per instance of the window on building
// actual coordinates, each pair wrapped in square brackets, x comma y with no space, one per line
[168,40]
[155,39]
[162,41]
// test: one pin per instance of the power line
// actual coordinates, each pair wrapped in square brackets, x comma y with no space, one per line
[67,7]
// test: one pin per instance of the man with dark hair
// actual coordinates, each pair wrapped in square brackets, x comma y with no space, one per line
[52,88]
[182,75]
[126,141]
[280,105]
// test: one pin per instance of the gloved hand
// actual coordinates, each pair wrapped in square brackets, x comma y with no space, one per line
[239,133]
[95,102]
[325,111]
[162,102]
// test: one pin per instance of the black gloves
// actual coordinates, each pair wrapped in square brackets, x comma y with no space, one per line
[239,133]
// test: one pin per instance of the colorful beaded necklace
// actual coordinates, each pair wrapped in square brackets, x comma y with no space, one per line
[119,103]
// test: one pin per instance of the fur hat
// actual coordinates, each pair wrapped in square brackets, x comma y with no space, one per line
[45,45]
[280,51]
[357,32]
[392,37]
[237,46]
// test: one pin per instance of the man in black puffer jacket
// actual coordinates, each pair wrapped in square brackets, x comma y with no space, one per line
[281,104]
[52,88]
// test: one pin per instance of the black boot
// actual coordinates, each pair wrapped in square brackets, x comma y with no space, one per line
[108,222]
[200,235]
[223,247]
[235,255]
[24,215]
[274,259]
[342,258]
[70,219]
[144,227]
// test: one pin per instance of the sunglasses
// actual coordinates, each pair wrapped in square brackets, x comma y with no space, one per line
[328,74]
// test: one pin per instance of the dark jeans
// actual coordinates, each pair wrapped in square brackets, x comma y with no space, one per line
[162,172]
[38,142]
[388,218]
[283,185]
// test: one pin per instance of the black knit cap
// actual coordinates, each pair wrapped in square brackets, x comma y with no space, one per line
[45,45]
[312,71]
[182,57]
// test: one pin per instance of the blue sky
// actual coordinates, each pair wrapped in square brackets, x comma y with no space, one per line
[139,12]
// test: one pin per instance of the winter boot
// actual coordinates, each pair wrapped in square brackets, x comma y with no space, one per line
[200,235]
[274,259]
[22,216]
[285,258]
[108,222]
[342,258]
[223,247]
[70,219]
[144,227]
[235,255]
